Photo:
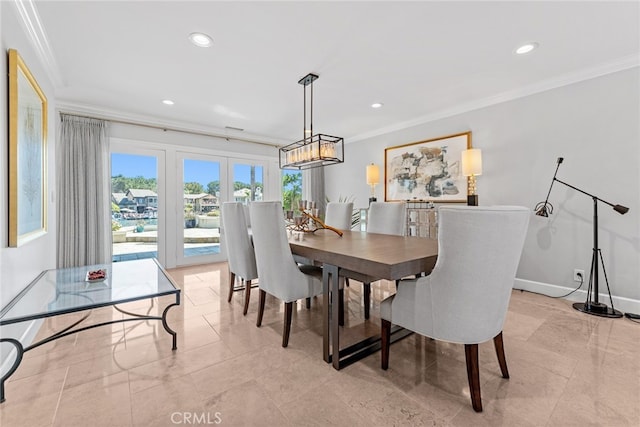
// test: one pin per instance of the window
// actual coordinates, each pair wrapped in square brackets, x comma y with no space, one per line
[134,206]
[291,189]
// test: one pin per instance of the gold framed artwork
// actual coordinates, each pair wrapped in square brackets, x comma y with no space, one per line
[27,154]
[427,170]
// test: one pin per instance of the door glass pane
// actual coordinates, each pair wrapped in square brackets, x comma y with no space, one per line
[248,183]
[201,181]
[134,206]
[291,189]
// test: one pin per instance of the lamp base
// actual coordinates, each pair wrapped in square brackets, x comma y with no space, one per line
[372,199]
[472,200]
[597,309]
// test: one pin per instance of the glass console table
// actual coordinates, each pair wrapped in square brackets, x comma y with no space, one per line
[68,290]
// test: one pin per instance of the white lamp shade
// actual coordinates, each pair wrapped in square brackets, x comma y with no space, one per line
[472,162]
[373,174]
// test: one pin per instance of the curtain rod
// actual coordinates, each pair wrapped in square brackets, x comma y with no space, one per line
[166,129]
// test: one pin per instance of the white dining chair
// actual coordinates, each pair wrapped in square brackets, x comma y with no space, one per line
[382,218]
[280,276]
[386,218]
[465,297]
[247,214]
[240,253]
[339,215]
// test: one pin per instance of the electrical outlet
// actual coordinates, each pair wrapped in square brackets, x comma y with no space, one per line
[578,275]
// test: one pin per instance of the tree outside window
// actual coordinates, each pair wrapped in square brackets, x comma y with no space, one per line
[291,189]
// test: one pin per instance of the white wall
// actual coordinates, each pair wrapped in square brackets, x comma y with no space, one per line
[595,126]
[19,266]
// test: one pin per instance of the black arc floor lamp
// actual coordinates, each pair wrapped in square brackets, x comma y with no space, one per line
[592,305]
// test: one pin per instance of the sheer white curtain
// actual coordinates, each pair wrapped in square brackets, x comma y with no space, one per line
[313,187]
[84,203]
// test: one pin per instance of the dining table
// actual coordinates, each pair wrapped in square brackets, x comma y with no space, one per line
[366,257]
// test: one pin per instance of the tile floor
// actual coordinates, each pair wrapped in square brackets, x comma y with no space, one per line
[567,369]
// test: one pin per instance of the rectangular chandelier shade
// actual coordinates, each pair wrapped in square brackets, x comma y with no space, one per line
[315,151]
[311,151]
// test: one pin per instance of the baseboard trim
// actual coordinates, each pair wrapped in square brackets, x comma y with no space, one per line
[626,305]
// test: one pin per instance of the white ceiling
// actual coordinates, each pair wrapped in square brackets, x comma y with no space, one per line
[421,59]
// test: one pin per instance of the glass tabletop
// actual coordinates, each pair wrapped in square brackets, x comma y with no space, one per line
[67,290]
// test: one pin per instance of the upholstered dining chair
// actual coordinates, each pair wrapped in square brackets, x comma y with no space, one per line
[247,214]
[338,215]
[386,218]
[236,240]
[383,218]
[465,298]
[280,276]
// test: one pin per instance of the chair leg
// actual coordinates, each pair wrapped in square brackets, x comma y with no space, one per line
[247,296]
[367,299]
[263,297]
[308,303]
[385,338]
[499,345]
[288,311]
[232,281]
[473,375]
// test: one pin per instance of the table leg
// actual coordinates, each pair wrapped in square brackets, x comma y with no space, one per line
[326,312]
[16,363]
[332,353]
[166,325]
[334,284]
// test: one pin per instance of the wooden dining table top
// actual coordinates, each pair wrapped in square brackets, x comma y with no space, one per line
[382,256]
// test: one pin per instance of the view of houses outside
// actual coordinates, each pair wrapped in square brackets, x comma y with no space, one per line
[134,206]
[134,203]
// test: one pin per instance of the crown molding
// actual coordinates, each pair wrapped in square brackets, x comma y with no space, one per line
[168,125]
[35,32]
[620,64]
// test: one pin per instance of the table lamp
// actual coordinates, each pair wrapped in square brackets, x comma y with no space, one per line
[471,167]
[373,177]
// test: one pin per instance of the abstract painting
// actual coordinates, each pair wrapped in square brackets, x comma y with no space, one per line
[427,170]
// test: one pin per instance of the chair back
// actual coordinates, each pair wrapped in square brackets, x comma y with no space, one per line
[241,257]
[279,273]
[386,218]
[247,214]
[338,215]
[479,251]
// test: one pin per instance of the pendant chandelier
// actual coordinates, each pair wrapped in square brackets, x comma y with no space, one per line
[312,150]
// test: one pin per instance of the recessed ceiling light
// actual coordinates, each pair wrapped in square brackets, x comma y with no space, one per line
[168,102]
[526,48]
[200,39]
[376,105]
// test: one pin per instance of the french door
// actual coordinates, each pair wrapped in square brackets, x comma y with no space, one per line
[248,180]
[202,188]
[166,202]
[137,203]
